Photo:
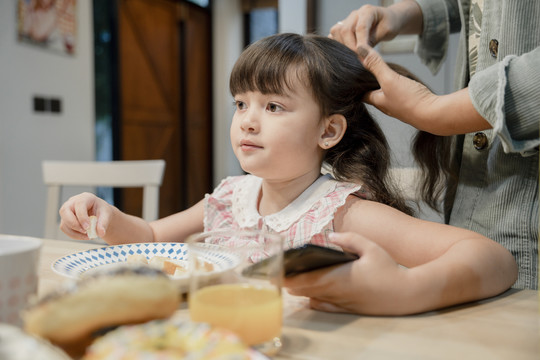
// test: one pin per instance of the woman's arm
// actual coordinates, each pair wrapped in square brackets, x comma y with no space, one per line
[507,95]
[414,104]
[442,265]
[440,18]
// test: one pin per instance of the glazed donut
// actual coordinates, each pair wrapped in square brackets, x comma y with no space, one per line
[168,339]
[71,316]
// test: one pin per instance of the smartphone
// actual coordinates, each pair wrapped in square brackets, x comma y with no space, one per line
[302,259]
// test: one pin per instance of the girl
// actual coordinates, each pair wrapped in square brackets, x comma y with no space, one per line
[298,104]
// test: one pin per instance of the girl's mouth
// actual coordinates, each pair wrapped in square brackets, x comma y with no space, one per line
[247,145]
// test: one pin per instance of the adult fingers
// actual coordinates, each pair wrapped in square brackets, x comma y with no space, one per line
[375,98]
[373,62]
[343,32]
[366,25]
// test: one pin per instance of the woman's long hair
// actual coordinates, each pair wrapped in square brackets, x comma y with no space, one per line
[338,82]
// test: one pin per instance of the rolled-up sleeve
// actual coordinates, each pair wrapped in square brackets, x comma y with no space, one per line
[507,95]
[440,18]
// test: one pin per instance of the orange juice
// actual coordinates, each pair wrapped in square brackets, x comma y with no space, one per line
[254,313]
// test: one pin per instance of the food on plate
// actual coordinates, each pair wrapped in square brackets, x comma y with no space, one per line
[169,266]
[15,344]
[71,316]
[92,229]
[167,339]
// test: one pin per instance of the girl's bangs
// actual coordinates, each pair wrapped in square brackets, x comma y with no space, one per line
[266,70]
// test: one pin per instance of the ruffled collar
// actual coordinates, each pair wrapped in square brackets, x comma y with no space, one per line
[246,194]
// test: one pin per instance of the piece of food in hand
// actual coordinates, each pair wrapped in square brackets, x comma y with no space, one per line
[72,316]
[92,229]
[168,339]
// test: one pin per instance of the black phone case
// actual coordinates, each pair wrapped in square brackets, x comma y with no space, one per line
[302,259]
[311,257]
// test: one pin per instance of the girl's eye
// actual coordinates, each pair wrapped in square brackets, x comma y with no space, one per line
[273,107]
[240,105]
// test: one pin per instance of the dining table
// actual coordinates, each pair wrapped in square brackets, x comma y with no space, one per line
[502,327]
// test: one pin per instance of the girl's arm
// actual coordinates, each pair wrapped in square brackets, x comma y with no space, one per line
[442,265]
[117,227]
[178,226]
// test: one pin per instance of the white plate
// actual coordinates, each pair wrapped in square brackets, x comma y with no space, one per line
[77,265]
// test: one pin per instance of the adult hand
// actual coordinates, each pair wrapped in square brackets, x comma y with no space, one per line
[399,96]
[371,24]
[414,104]
[373,284]
[75,215]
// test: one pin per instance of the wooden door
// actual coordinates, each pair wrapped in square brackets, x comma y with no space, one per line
[165,97]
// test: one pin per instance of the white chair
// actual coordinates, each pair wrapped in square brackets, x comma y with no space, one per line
[147,174]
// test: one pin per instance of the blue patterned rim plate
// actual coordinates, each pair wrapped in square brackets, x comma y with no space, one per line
[76,265]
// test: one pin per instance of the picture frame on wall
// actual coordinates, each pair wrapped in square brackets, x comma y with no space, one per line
[48,24]
[402,44]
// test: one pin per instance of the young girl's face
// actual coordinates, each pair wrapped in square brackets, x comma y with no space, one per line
[276,137]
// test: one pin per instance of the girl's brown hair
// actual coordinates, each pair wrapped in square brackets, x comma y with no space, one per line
[338,82]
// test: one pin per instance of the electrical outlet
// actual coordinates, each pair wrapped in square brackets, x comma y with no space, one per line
[43,104]
[40,104]
[55,105]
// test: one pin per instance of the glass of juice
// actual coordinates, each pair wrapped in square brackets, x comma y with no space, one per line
[234,296]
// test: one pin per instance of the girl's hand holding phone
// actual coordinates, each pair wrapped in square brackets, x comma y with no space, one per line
[363,286]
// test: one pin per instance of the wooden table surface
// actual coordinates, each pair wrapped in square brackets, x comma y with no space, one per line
[504,327]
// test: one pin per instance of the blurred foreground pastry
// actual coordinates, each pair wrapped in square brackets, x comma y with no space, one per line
[15,344]
[168,339]
[72,316]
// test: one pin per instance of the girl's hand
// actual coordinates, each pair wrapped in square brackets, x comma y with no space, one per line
[374,284]
[75,215]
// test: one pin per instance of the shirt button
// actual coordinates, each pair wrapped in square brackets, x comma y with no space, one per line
[480,141]
[493,47]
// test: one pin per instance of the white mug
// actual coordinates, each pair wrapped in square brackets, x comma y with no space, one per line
[19,256]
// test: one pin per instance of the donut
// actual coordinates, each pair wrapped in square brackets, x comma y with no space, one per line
[168,339]
[74,314]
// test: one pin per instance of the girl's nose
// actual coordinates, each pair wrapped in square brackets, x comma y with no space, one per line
[249,122]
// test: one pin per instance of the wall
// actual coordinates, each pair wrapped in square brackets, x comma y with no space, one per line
[27,138]
[227,44]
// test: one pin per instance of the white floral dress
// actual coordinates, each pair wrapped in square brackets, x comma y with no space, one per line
[234,205]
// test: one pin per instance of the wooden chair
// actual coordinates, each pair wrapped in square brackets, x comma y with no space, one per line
[147,174]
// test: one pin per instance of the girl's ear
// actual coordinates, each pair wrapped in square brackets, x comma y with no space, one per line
[334,129]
